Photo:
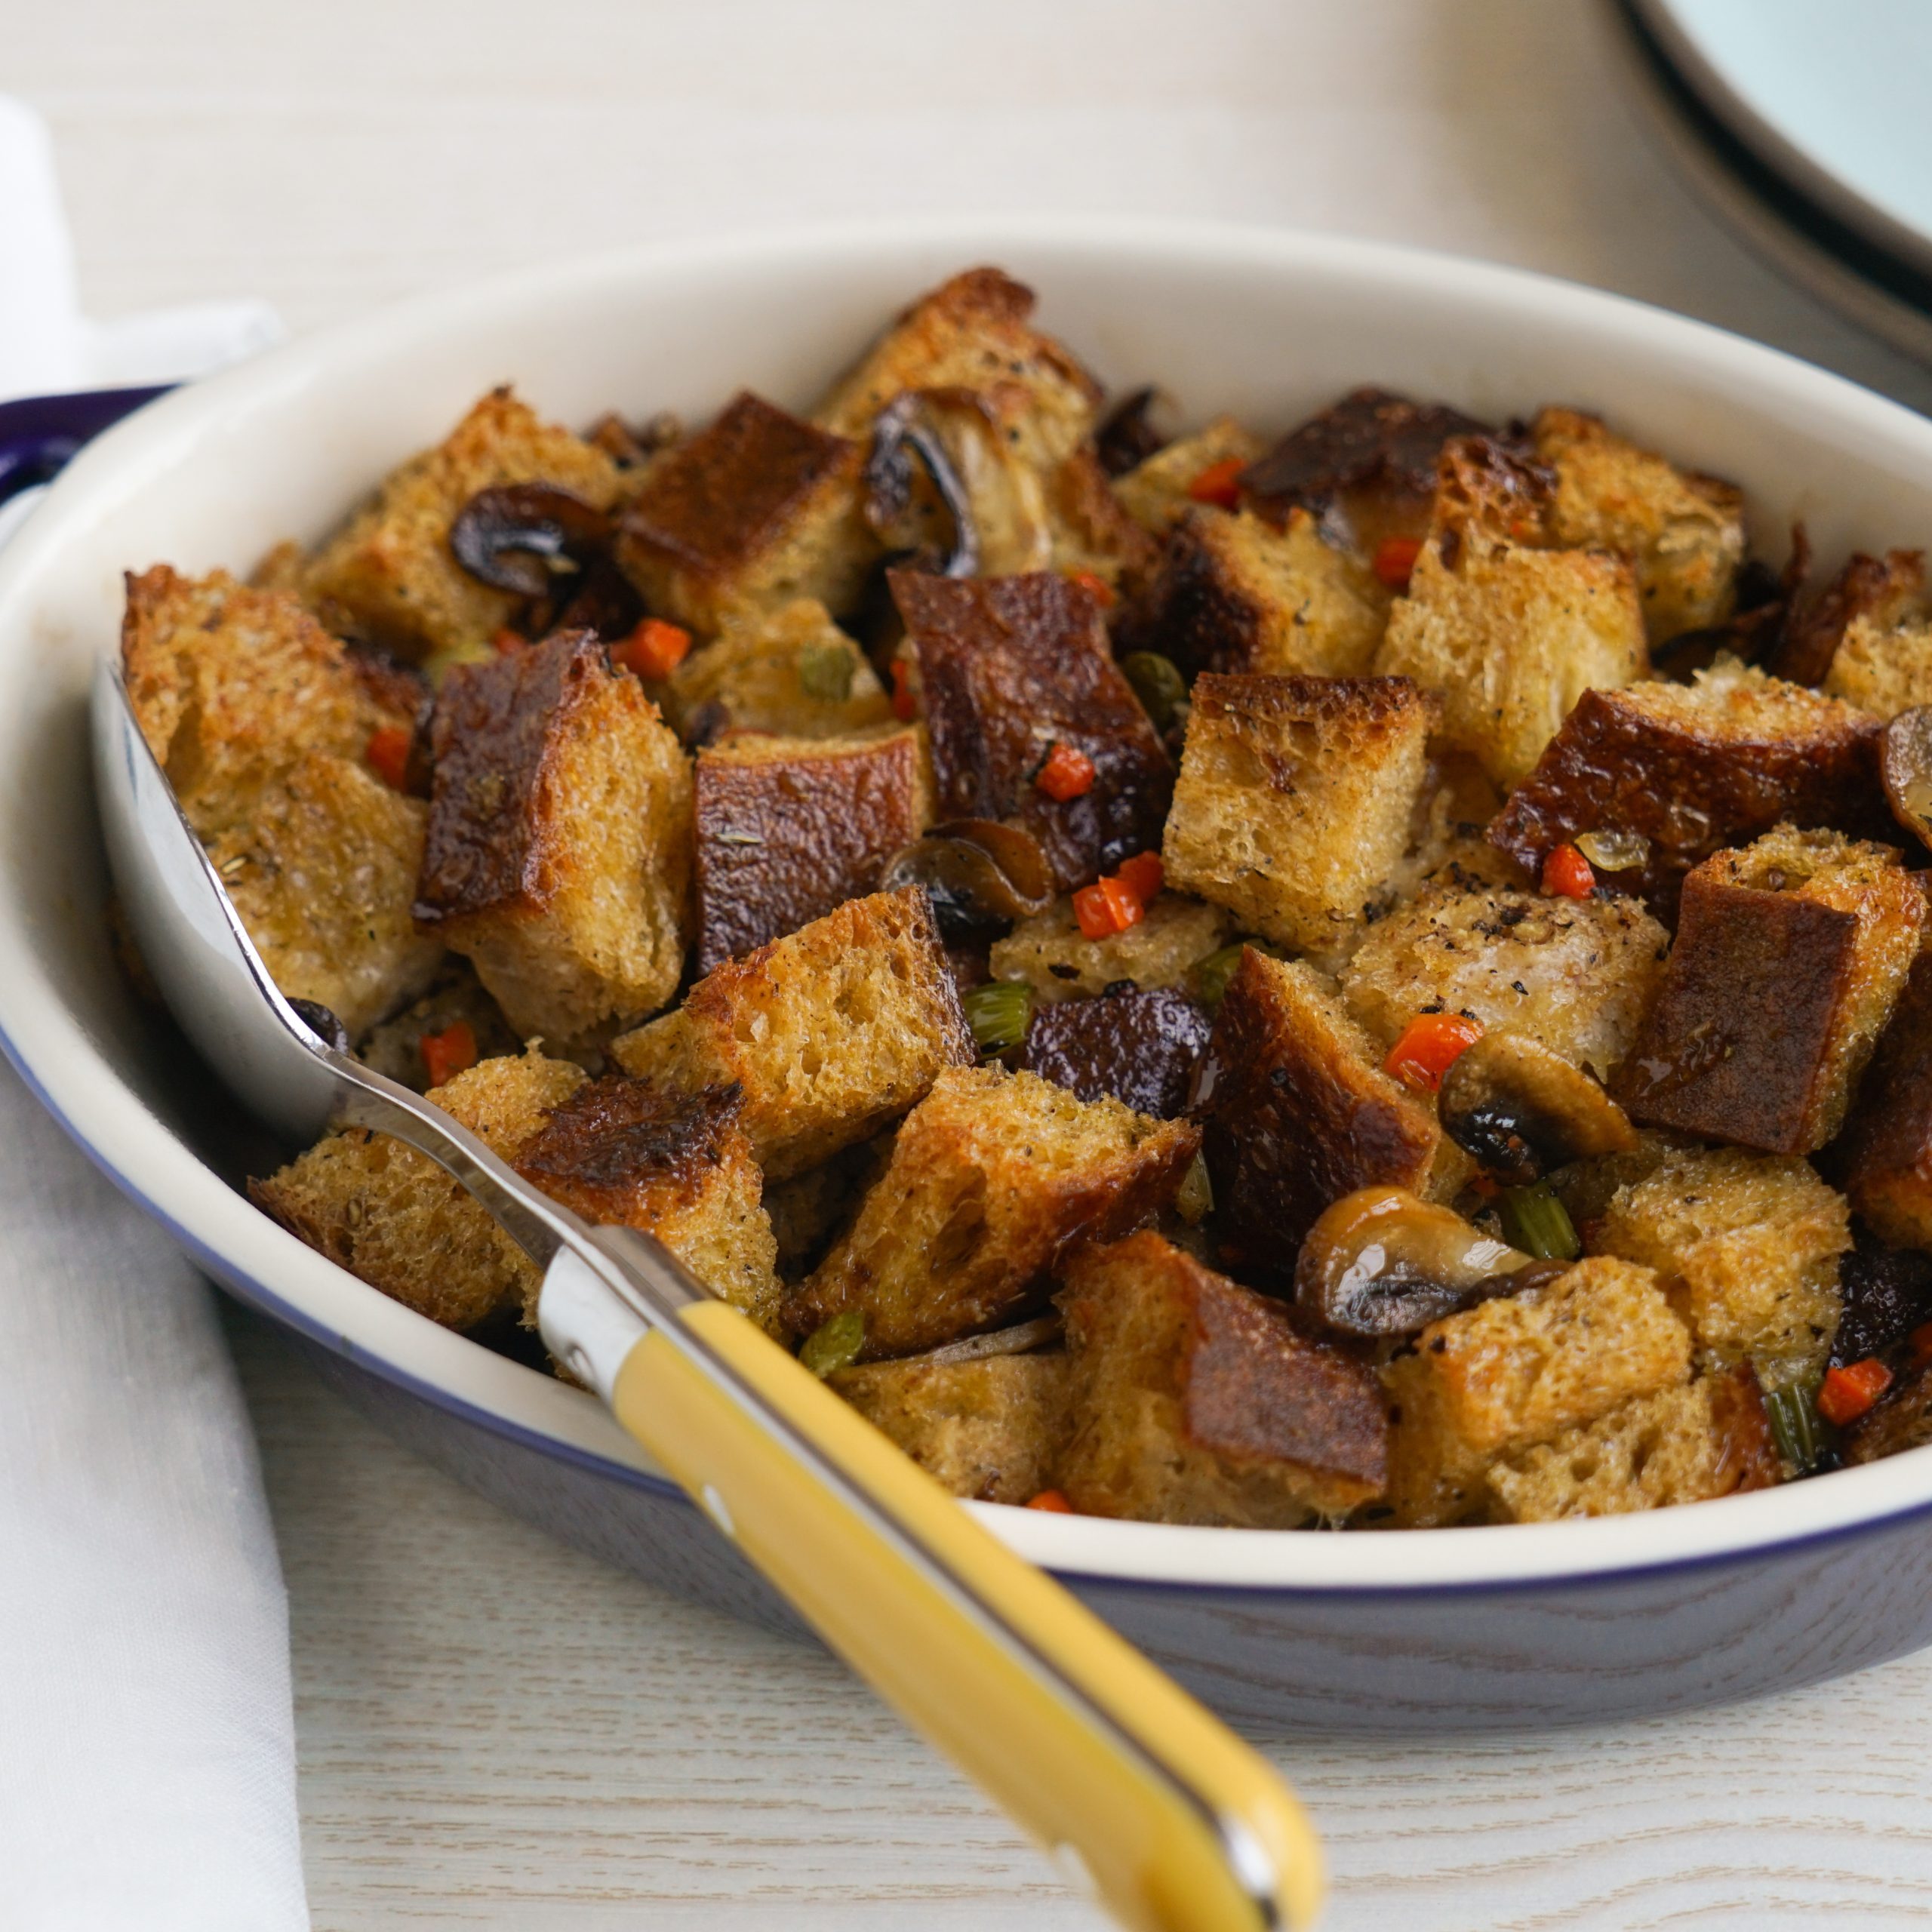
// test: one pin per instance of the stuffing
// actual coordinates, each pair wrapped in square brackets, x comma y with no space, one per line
[792,671]
[1051,955]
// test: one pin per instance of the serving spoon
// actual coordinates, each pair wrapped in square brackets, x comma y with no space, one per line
[1130,1785]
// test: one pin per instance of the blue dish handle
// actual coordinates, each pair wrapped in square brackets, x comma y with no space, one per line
[40,434]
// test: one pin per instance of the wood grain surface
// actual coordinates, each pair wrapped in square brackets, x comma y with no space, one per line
[495,1731]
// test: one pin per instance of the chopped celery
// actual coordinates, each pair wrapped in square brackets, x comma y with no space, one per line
[998,1013]
[835,1344]
[1536,1221]
[825,671]
[1156,682]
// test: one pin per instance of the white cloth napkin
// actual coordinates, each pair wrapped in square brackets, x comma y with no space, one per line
[147,1752]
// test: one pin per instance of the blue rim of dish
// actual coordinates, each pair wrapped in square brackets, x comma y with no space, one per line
[1811,218]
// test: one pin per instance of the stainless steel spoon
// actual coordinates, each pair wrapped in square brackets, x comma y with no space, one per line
[1123,1778]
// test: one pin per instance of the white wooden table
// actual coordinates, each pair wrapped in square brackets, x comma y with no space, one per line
[495,1731]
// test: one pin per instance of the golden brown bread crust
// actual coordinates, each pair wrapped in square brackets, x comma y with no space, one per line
[789,829]
[713,504]
[1879,590]
[1196,1401]
[1300,1113]
[1693,771]
[1010,667]
[994,1176]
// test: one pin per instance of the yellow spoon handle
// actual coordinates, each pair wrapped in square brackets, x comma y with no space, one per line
[1125,1780]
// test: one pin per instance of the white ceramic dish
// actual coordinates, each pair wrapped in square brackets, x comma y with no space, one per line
[1469,1626]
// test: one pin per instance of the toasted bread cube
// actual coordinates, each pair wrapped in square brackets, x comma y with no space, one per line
[753,677]
[1366,467]
[1753,1240]
[1051,954]
[394,1048]
[790,828]
[1510,638]
[1522,1370]
[1139,1045]
[1300,1112]
[1875,595]
[1196,1401]
[1156,490]
[1705,1438]
[1790,956]
[1010,667]
[390,569]
[830,1033]
[990,1429]
[1233,593]
[1091,531]
[1887,1149]
[1692,768]
[1884,669]
[395,1219]
[1683,532]
[677,1166]
[232,686]
[810,1208]
[1295,797]
[615,1153]
[322,873]
[753,513]
[993,1177]
[974,332]
[1575,975]
[559,850]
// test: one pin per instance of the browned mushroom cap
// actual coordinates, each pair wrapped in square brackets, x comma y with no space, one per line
[1522,1110]
[515,536]
[977,873]
[1383,1261]
[900,431]
[1905,764]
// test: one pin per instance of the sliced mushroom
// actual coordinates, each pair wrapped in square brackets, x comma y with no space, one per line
[1522,1110]
[1126,438]
[1383,1261]
[519,535]
[902,430]
[1905,764]
[978,872]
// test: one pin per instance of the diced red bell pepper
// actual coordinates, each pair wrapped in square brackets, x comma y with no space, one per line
[1108,906]
[1431,1044]
[1219,483]
[1068,772]
[1567,873]
[449,1052]
[1847,1392]
[388,753]
[654,649]
[1395,560]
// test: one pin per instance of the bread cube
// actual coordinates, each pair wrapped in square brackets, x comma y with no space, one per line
[791,670]
[232,686]
[1884,669]
[1294,804]
[1051,954]
[1901,1421]
[1233,593]
[1521,1370]
[1575,975]
[1692,768]
[559,849]
[990,1429]
[1703,1439]
[677,1166]
[1684,533]
[394,1048]
[1366,467]
[611,1150]
[1010,667]
[1196,1401]
[790,828]
[1875,595]
[1753,1241]
[1790,956]
[994,1176]
[1300,1112]
[1510,636]
[975,332]
[753,513]
[322,873]
[830,1033]
[1090,530]
[1156,490]
[395,1219]
[1139,1045]
[390,571]
[1887,1146]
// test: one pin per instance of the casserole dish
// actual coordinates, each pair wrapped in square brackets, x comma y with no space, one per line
[1501,1625]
